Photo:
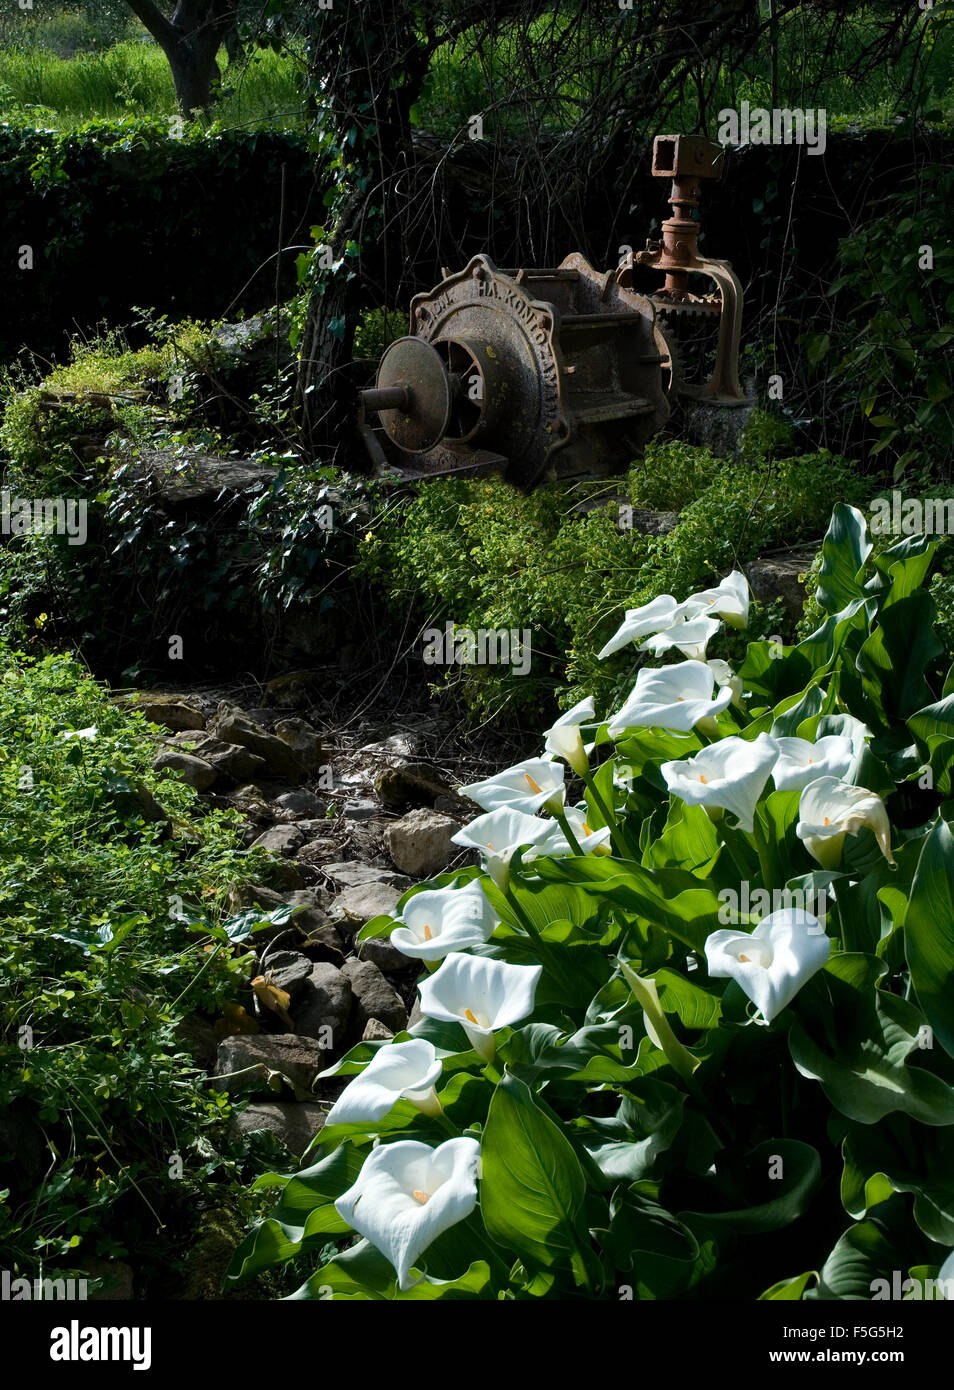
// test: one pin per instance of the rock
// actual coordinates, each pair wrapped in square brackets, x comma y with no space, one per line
[171,712]
[294,689]
[195,771]
[316,851]
[294,1124]
[414,784]
[250,800]
[375,1031]
[386,957]
[197,477]
[233,725]
[420,843]
[286,875]
[324,1004]
[230,760]
[415,1015]
[374,997]
[351,873]
[200,1038]
[299,1059]
[779,577]
[304,743]
[358,808]
[287,970]
[356,906]
[397,746]
[280,839]
[245,895]
[116,1277]
[301,803]
[311,897]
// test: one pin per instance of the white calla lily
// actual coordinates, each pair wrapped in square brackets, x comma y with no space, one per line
[481,994]
[773,962]
[442,920]
[801,762]
[729,600]
[564,739]
[689,635]
[638,622]
[524,787]
[672,697]
[830,809]
[497,836]
[407,1194]
[729,775]
[409,1069]
[726,679]
[555,845]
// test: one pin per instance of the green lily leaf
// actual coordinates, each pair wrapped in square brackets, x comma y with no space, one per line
[929,933]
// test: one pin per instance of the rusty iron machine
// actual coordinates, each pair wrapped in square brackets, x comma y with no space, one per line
[555,373]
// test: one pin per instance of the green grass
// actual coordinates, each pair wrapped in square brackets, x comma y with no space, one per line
[39,88]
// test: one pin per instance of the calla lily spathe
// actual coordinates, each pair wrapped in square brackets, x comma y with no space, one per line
[729,775]
[524,787]
[555,845]
[407,1194]
[801,762]
[498,836]
[442,920]
[672,697]
[564,739]
[726,679]
[773,962]
[639,622]
[729,600]
[481,994]
[829,810]
[409,1069]
[690,635]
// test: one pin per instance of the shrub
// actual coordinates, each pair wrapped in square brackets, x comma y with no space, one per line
[112,886]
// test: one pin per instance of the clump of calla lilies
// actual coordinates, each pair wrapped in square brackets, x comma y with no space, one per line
[689,981]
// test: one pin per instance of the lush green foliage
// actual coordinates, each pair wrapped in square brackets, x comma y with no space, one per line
[485,556]
[112,931]
[38,88]
[641,1135]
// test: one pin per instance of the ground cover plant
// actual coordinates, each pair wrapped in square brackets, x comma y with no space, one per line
[113,931]
[691,1037]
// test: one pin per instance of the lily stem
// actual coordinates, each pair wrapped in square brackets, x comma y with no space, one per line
[608,816]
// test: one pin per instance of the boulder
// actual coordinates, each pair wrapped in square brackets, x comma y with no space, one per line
[295,689]
[412,784]
[287,970]
[781,576]
[245,895]
[373,996]
[233,725]
[352,873]
[386,957]
[294,1124]
[171,712]
[280,839]
[324,1003]
[420,843]
[298,1059]
[375,1031]
[356,906]
[304,743]
[195,771]
[301,803]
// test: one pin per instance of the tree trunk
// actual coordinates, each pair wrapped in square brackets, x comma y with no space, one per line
[190,40]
